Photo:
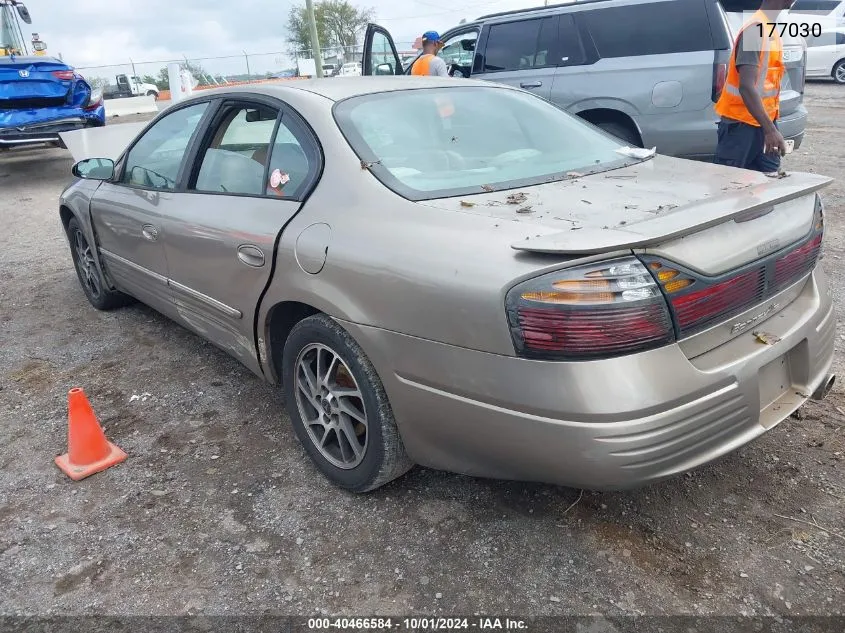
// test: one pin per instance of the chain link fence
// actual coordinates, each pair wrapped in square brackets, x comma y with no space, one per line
[226,69]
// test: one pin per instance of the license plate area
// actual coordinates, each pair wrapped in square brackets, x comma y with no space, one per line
[791,55]
[774,379]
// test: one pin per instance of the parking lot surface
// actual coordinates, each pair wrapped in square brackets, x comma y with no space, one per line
[219,511]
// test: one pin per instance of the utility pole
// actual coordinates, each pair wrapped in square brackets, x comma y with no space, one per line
[315,40]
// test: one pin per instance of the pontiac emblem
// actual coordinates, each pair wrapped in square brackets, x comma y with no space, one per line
[23,73]
[738,327]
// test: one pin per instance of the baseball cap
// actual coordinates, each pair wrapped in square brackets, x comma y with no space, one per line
[431,36]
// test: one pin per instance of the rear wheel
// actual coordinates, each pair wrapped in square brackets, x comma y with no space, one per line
[620,131]
[339,408]
[151,93]
[838,73]
[92,282]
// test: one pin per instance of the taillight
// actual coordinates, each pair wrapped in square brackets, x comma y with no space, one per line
[797,263]
[698,301]
[587,312]
[95,99]
[64,75]
[701,307]
[720,76]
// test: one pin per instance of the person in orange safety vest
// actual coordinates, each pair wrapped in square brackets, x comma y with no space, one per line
[748,136]
[429,64]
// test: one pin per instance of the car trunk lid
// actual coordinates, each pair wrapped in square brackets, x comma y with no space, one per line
[27,79]
[650,203]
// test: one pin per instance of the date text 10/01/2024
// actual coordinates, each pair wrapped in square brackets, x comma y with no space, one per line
[417,624]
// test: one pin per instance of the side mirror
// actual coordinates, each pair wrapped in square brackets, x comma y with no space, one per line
[384,69]
[24,13]
[94,169]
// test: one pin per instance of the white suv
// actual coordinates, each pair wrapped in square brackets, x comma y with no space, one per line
[351,69]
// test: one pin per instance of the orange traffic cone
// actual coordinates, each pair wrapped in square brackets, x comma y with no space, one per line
[89,451]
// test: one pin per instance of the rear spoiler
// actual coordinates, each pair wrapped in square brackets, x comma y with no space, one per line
[689,219]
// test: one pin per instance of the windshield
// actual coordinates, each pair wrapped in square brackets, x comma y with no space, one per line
[10,34]
[439,142]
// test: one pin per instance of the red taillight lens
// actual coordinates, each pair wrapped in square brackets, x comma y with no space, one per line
[720,76]
[796,264]
[588,312]
[715,302]
[64,75]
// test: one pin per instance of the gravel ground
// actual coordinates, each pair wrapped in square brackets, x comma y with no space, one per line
[218,510]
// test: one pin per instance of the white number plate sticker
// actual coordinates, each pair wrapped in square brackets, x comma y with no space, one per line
[792,55]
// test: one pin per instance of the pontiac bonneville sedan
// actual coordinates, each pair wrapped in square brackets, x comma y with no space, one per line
[458,274]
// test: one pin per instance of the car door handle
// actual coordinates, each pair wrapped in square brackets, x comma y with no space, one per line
[251,255]
[149,232]
[531,84]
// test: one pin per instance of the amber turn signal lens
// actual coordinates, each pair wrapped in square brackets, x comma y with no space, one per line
[666,275]
[568,297]
[581,285]
[678,284]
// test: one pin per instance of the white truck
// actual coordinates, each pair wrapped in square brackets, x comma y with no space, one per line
[129,86]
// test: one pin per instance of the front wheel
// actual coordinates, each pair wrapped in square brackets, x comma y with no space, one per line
[339,408]
[838,73]
[92,282]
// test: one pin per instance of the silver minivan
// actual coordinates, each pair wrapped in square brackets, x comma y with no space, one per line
[646,71]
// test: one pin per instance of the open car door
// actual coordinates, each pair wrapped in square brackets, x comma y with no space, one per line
[380,56]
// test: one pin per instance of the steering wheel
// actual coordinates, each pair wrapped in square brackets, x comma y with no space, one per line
[454,69]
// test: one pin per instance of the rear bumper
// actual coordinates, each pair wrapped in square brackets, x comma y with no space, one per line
[611,424]
[794,124]
[43,125]
[701,136]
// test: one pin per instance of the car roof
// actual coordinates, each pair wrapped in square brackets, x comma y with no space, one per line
[338,88]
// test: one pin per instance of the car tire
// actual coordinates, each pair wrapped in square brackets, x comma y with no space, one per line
[332,390]
[620,131]
[838,72]
[151,93]
[93,285]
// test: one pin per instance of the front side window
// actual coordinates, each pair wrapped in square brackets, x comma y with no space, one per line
[381,57]
[438,142]
[154,161]
[236,158]
[459,50]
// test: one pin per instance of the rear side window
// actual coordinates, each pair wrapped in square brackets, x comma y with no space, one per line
[811,6]
[521,45]
[658,28]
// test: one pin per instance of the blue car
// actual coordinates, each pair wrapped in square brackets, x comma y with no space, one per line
[42,96]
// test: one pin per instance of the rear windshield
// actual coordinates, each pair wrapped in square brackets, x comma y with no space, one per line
[437,142]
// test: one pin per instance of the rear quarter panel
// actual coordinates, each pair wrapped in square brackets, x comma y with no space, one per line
[394,264]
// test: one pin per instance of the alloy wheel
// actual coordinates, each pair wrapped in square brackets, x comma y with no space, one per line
[331,406]
[86,265]
[840,73]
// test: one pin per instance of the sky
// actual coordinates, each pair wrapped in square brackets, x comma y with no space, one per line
[110,33]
